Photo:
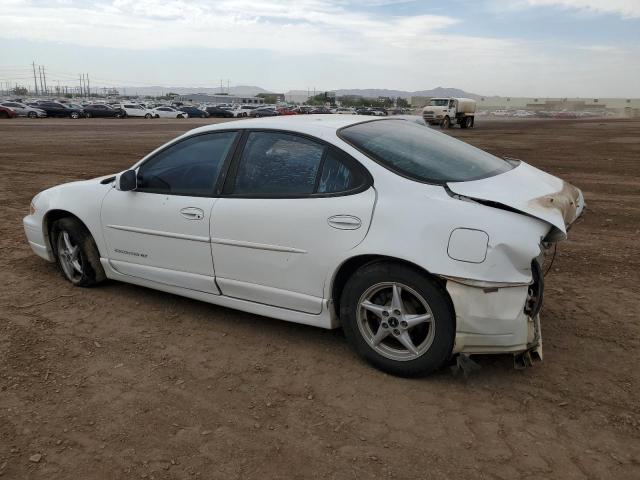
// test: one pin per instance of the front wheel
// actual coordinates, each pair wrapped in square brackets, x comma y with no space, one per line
[398,319]
[446,123]
[76,253]
[32,115]
[75,115]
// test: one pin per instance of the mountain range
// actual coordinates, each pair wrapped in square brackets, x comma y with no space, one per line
[249,90]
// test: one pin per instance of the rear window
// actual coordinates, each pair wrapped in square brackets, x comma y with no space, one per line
[422,154]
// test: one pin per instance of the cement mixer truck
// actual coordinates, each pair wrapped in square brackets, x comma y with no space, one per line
[447,112]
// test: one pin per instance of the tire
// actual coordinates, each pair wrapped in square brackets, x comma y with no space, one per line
[76,253]
[4,114]
[446,123]
[148,115]
[87,115]
[203,116]
[32,115]
[74,115]
[180,116]
[423,301]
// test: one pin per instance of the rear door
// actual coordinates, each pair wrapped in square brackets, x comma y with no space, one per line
[291,208]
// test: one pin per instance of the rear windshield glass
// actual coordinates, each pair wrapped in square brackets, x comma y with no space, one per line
[422,154]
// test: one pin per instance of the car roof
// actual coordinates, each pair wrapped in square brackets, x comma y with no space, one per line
[310,124]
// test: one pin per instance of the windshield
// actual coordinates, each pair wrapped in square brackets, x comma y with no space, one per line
[439,102]
[422,154]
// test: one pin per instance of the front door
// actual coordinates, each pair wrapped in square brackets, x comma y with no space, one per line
[291,209]
[160,231]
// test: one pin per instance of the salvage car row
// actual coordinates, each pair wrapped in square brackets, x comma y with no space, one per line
[63,109]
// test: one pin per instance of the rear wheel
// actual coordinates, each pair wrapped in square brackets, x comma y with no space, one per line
[74,115]
[32,115]
[88,115]
[398,319]
[76,253]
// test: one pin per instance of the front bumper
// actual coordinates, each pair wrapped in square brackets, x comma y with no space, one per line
[493,320]
[35,237]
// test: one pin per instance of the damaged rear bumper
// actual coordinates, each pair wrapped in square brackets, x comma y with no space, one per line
[493,319]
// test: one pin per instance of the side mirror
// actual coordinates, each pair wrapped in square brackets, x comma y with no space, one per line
[127,181]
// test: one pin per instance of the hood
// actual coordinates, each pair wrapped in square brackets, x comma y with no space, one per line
[530,191]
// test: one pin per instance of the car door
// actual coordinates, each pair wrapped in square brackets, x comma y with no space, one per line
[292,206]
[160,230]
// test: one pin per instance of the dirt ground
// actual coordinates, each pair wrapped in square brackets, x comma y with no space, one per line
[120,382]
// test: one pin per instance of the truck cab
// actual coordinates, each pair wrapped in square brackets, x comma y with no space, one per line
[448,112]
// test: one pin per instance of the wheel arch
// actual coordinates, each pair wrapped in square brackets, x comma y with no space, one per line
[347,268]
[53,216]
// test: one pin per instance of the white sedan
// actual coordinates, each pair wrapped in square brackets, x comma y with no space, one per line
[169,112]
[420,246]
[135,110]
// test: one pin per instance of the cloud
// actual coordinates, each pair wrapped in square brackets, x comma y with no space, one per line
[333,43]
[624,8]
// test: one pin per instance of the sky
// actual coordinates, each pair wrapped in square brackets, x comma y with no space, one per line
[537,48]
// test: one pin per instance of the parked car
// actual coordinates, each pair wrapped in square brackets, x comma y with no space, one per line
[6,112]
[565,114]
[194,112]
[242,110]
[168,112]
[103,111]
[219,112]
[136,110]
[420,246]
[364,111]
[264,112]
[320,111]
[56,109]
[286,111]
[25,110]
[344,111]
[379,112]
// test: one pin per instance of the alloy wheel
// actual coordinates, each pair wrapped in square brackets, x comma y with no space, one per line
[396,321]
[69,255]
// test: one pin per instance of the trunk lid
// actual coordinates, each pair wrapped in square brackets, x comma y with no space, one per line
[529,191]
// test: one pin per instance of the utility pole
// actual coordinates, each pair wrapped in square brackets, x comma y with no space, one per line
[81,87]
[88,87]
[35,82]
[40,76]
[44,75]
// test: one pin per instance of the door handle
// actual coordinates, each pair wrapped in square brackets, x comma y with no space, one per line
[192,213]
[344,222]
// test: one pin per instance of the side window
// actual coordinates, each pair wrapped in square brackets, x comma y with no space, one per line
[190,167]
[337,176]
[278,164]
